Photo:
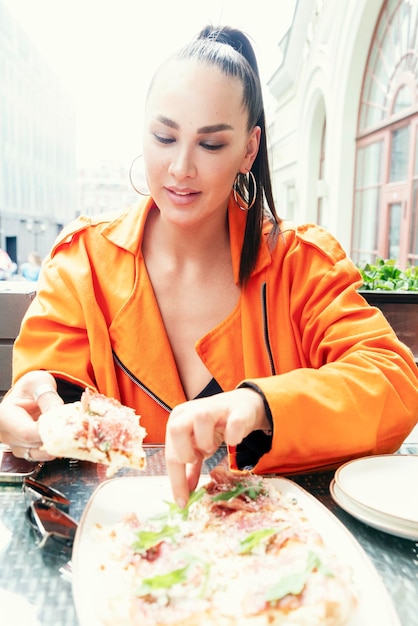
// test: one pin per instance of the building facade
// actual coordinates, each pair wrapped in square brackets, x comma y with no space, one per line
[37,146]
[343,126]
[105,187]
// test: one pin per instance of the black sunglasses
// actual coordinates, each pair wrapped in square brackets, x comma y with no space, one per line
[47,515]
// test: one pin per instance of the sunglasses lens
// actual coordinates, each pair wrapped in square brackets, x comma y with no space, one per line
[39,491]
[50,523]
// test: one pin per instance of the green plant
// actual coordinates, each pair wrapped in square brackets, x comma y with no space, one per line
[385,275]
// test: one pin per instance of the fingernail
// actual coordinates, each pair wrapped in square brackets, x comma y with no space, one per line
[181,503]
[42,389]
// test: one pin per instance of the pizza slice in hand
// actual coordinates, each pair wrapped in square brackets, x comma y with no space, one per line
[97,429]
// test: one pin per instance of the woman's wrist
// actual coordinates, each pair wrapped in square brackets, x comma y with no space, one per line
[264,416]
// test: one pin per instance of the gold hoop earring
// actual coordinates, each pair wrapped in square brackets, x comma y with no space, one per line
[141,176]
[242,183]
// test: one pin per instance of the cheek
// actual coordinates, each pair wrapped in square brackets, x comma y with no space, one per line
[154,162]
[224,176]
[219,183]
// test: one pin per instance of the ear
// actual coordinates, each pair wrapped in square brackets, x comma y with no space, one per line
[251,152]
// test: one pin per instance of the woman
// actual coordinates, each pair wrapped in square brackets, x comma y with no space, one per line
[32,268]
[211,317]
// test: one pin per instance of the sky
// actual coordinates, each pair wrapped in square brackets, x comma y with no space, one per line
[106,51]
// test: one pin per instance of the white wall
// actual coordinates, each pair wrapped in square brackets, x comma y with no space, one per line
[321,76]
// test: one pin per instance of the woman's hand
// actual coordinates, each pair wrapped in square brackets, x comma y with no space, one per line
[32,395]
[195,429]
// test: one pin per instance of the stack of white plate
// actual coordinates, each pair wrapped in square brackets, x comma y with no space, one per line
[381,491]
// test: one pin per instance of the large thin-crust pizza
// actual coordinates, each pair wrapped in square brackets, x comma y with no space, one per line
[96,428]
[240,554]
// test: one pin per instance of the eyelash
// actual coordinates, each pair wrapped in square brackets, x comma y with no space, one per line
[207,146]
[212,147]
[163,140]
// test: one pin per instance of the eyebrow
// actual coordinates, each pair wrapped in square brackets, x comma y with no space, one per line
[204,130]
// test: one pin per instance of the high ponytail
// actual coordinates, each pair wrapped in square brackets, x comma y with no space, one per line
[230,50]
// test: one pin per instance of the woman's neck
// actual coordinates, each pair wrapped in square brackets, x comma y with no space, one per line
[185,245]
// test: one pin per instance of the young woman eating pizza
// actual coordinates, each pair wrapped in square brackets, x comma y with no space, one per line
[203,310]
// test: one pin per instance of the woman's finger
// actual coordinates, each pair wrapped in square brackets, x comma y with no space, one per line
[208,427]
[177,474]
[31,453]
[47,397]
[22,431]
[180,434]
[193,471]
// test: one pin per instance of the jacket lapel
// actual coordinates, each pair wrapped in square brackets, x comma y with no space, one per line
[145,350]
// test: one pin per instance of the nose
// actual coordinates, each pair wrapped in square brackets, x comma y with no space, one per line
[182,164]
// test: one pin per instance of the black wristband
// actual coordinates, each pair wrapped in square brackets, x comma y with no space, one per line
[250,385]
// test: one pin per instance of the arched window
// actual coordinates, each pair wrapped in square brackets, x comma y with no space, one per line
[385,220]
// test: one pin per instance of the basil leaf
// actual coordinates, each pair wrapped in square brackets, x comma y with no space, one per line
[250,490]
[293,584]
[254,539]
[163,581]
[147,539]
[195,496]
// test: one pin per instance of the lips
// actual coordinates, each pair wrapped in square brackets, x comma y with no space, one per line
[182,196]
[181,191]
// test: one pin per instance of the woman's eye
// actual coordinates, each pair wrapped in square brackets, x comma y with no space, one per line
[164,140]
[212,146]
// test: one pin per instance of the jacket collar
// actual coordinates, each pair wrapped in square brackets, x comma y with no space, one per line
[127,231]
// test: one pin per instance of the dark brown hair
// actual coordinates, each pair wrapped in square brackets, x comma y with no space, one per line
[231,51]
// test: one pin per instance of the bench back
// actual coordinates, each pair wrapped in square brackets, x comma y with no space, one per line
[15,297]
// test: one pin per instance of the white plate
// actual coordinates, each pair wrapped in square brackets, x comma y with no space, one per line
[370,517]
[385,484]
[145,496]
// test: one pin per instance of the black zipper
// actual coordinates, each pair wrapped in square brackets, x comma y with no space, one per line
[266,328]
[137,382]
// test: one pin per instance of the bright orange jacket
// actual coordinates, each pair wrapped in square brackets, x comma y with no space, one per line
[338,382]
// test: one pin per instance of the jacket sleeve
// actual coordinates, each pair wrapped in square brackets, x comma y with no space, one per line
[64,330]
[352,389]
